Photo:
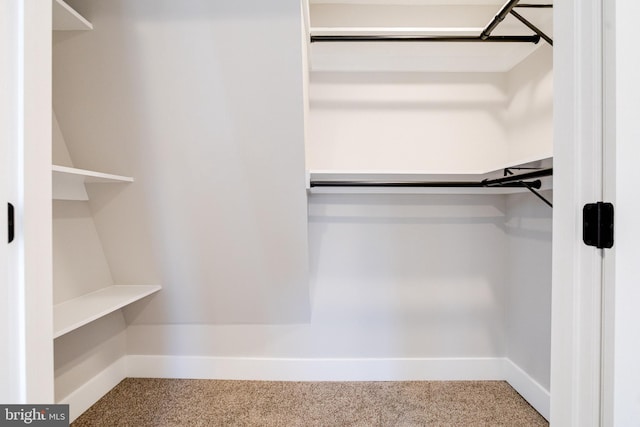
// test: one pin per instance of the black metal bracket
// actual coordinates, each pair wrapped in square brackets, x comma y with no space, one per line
[504,11]
[507,172]
[532,27]
[597,225]
[10,222]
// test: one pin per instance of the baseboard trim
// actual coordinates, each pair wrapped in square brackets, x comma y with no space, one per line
[290,369]
[530,389]
[90,392]
[277,369]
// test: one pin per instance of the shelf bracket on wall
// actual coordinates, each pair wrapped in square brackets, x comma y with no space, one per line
[508,173]
[504,11]
[532,27]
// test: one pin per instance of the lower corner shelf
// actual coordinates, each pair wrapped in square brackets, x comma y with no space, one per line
[77,312]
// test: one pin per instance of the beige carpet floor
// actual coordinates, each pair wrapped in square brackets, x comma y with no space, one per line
[143,402]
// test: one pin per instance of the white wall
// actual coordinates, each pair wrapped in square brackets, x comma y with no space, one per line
[528,223]
[436,122]
[85,352]
[530,107]
[392,277]
[202,103]
[400,15]
[528,284]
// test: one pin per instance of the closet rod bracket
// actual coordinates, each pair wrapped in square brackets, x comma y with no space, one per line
[509,173]
[532,27]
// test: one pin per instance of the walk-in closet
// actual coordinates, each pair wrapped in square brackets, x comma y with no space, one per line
[320,191]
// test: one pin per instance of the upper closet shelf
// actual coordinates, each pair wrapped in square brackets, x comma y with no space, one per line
[65,18]
[68,183]
[77,312]
[537,175]
[426,36]
[394,31]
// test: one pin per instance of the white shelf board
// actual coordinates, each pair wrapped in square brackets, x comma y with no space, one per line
[427,190]
[68,183]
[65,18]
[416,2]
[72,314]
[396,31]
[416,176]
[91,176]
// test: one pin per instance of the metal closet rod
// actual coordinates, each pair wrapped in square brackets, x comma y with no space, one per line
[535,6]
[402,38]
[508,181]
[422,184]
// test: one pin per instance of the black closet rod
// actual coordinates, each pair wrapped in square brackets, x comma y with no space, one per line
[535,6]
[423,184]
[507,181]
[404,38]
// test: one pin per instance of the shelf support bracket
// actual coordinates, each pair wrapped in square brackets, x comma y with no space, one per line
[532,27]
[504,11]
[508,172]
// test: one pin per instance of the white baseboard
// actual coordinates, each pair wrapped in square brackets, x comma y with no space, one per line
[90,392]
[275,369]
[530,389]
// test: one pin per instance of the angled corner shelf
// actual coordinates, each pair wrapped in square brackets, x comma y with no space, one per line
[68,183]
[65,18]
[77,312]
[406,176]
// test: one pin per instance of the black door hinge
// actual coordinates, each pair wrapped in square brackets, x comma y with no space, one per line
[597,226]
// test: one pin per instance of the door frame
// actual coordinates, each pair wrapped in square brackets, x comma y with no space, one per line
[11,357]
[576,339]
[26,58]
